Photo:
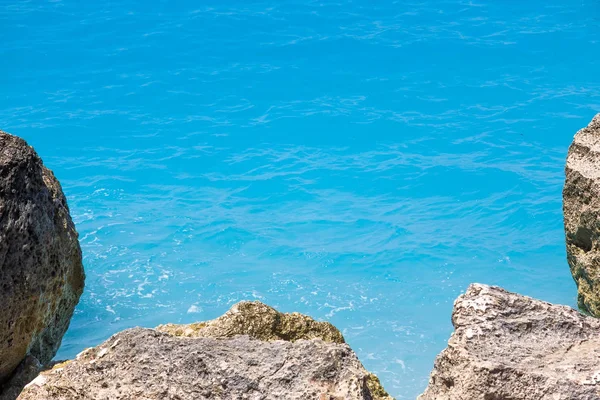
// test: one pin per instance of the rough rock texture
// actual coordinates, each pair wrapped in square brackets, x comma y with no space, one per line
[261,322]
[511,347]
[41,274]
[27,370]
[581,209]
[179,364]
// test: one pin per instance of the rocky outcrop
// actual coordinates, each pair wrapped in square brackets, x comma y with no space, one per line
[41,274]
[240,355]
[581,209]
[507,346]
[259,321]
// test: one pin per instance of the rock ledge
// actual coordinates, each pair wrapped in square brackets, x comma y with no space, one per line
[261,322]
[507,346]
[240,355]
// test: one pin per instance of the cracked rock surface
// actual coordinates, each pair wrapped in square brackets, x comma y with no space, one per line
[506,346]
[581,209]
[245,359]
[41,274]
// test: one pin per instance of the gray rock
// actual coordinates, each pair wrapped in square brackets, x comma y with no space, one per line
[507,346]
[581,209]
[41,274]
[149,364]
[27,370]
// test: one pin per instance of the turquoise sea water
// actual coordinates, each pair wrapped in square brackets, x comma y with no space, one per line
[361,162]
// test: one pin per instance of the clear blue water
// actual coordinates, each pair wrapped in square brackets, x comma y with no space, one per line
[361,162]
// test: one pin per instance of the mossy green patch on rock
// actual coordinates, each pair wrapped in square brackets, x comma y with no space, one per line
[259,321]
[376,389]
[190,330]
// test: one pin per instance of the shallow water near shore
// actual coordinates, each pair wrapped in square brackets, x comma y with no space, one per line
[361,163]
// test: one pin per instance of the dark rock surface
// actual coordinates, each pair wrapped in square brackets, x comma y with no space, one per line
[149,364]
[581,209]
[507,346]
[41,274]
[27,371]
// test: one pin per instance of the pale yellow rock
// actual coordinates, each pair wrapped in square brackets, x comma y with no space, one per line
[259,321]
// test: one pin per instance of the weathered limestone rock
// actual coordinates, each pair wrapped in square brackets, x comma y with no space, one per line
[245,359]
[259,321]
[507,346]
[581,209]
[41,274]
